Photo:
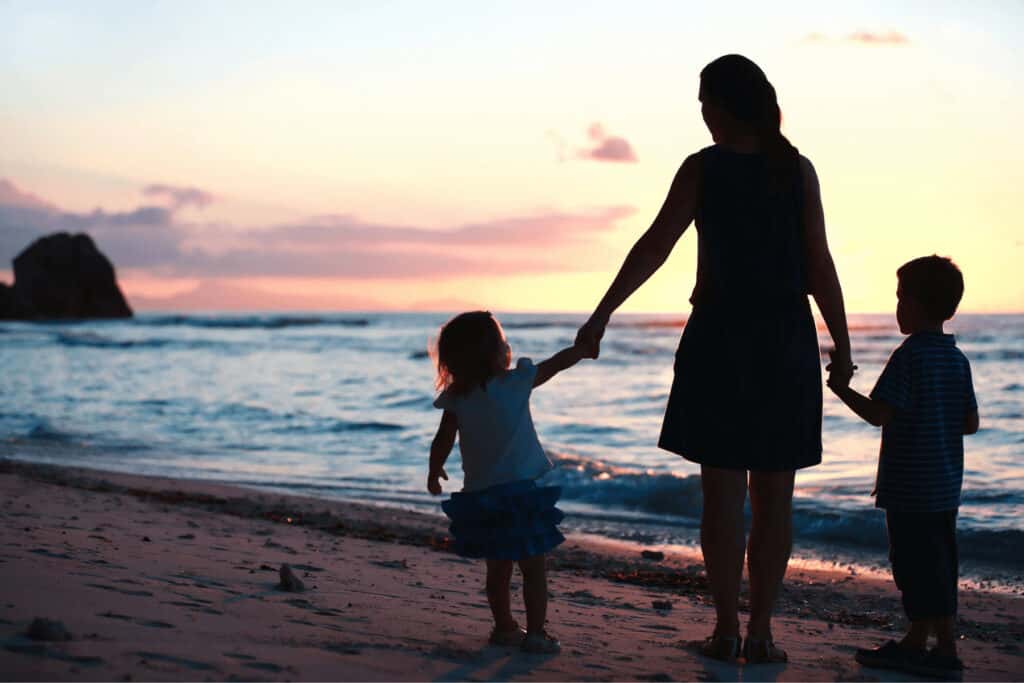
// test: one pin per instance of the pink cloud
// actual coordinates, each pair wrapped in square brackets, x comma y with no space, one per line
[607,147]
[862,38]
[179,196]
[13,197]
[869,38]
[156,240]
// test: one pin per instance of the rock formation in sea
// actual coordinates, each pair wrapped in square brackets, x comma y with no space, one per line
[62,276]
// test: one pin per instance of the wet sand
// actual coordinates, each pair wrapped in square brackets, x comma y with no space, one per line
[163,579]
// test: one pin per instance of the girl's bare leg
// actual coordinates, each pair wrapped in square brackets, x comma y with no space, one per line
[535,592]
[499,576]
[721,540]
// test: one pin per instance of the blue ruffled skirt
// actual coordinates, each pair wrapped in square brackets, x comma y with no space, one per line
[505,522]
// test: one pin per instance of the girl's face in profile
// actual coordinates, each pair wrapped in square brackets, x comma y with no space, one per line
[503,355]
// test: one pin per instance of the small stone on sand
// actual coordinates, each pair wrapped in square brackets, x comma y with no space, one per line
[655,555]
[290,582]
[662,604]
[47,629]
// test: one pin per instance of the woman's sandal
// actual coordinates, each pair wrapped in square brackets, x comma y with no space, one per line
[763,651]
[510,638]
[722,648]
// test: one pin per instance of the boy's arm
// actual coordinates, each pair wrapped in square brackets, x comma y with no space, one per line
[972,423]
[872,411]
[440,449]
[564,359]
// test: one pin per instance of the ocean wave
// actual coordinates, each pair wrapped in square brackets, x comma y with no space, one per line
[251,322]
[541,324]
[321,425]
[668,494]
[98,341]
[997,354]
[43,430]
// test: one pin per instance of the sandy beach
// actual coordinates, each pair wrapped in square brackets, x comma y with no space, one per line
[162,579]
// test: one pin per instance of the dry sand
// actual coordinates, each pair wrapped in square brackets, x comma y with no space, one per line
[161,579]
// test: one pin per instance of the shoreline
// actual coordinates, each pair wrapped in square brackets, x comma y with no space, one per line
[679,537]
[173,579]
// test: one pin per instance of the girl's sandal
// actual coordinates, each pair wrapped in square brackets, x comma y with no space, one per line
[722,648]
[763,651]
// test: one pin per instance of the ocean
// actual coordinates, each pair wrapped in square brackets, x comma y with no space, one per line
[338,405]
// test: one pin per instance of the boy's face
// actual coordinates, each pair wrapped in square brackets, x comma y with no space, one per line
[908,312]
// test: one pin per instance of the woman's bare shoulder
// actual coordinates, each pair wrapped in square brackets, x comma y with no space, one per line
[810,176]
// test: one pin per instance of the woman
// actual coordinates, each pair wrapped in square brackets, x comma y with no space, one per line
[747,390]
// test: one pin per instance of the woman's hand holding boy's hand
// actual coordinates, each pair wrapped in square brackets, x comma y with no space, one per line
[433,483]
[840,370]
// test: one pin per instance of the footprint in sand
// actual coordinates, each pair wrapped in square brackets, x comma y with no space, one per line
[171,659]
[119,590]
[149,623]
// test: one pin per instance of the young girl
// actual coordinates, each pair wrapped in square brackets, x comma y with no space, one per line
[501,514]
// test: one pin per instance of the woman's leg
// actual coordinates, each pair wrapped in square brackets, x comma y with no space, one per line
[499,576]
[771,540]
[535,592]
[721,540]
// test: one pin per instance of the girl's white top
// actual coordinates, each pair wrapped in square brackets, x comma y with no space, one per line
[496,435]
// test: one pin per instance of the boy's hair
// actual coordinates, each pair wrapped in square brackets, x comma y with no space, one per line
[465,351]
[935,283]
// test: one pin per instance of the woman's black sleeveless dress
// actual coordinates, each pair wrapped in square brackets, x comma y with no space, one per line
[747,387]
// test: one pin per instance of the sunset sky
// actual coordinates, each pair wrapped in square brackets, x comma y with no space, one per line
[371,155]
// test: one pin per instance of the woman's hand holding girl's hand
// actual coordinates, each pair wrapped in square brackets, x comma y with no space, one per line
[589,336]
[433,484]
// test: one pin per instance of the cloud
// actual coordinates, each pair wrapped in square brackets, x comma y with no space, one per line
[155,239]
[13,197]
[869,38]
[179,196]
[607,147]
[862,38]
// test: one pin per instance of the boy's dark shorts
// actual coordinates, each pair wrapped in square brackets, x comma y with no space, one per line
[925,563]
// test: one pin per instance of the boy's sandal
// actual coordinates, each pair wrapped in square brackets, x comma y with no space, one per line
[511,638]
[763,651]
[722,648]
[938,665]
[890,655]
[541,643]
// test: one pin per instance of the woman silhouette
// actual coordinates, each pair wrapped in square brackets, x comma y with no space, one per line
[747,390]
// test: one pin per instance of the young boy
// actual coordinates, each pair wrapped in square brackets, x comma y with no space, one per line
[924,402]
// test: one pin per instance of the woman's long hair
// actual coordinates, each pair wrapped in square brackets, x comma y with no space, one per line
[739,86]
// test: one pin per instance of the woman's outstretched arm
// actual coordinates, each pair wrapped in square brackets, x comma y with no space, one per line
[821,272]
[649,252]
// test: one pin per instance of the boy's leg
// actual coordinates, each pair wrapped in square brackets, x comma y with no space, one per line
[771,541]
[906,546]
[925,567]
[945,625]
[499,576]
[535,592]
[722,543]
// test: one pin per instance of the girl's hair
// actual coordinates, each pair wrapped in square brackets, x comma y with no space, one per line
[737,85]
[466,349]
